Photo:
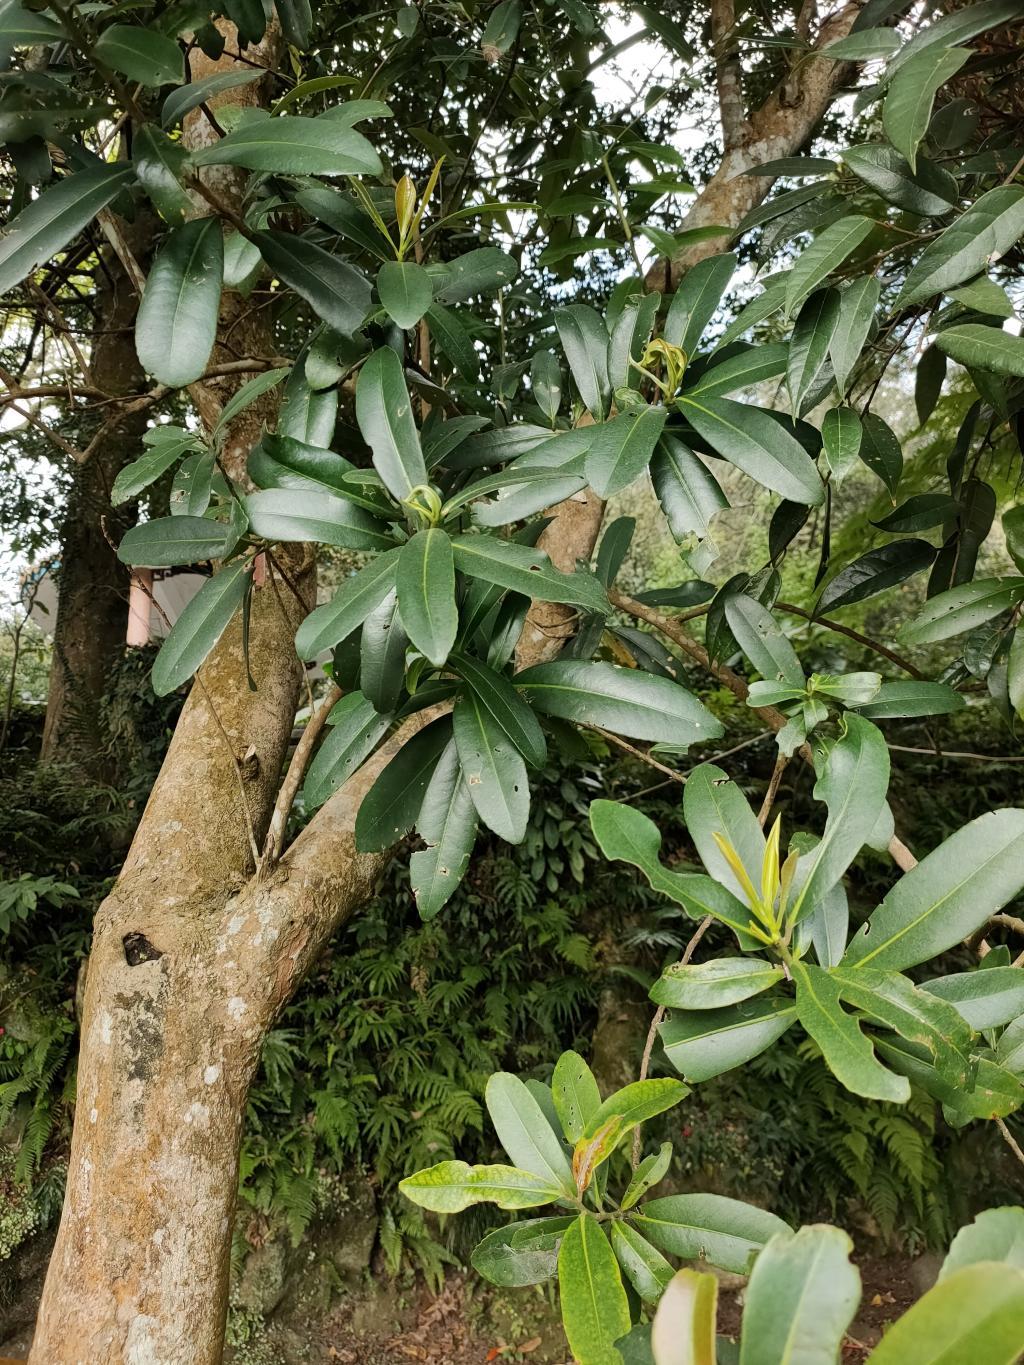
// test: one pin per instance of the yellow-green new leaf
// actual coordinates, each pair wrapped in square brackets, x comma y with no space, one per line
[683,1331]
[525,1134]
[595,1311]
[451,1186]
[975,1315]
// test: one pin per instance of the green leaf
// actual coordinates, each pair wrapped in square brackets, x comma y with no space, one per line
[962,608]
[947,896]
[584,339]
[354,732]
[527,570]
[159,164]
[880,450]
[451,1186]
[995,1235]
[929,191]
[390,808]
[335,290]
[874,572]
[382,649]
[405,290]
[138,475]
[762,641]
[975,1314]
[687,490]
[764,305]
[919,513]
[301,514]
[635,1104]
[384,414]
[293,146]
[500,698]
[683,1330]
[525,1133]
[200,626]
[853,783]
[177,319]
[749,438]
[249,17]
[546,383]
[247,395]
[812,337]
[848,1053]
[649,1173]
[25,28]
[864,46]
[985,348]
[483,271]
[575,1094]
[711,985]
[447,824]
[983,295]
[903,699]
[724,1232]
[522,1253]
[352,603]
[595,1311]
[494,770]
[179,102]
[48,223]
[841,435]
[173,540]
[454,340]
[645,1267]
[979,236]
[802,1296]
[694,302]
[752,366]
[141,54]
[339,212]
[193,485]
[713,804]
[708,1042]
[826,253]
[629,336]
[857,304]
[986,999]
[425,580]
[907,109]
[631,703]
[284,462]
[621,449]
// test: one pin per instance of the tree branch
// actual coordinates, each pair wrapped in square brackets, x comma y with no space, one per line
[728,74]
[274,842]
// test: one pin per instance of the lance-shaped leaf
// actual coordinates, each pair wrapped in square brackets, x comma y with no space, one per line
[706,1043]
[451,1186]
[621,449]
[584,339]
[506,707]
[929,191]
[983,348]
[595,1311]
[177,320]
[985,998]
[848,1052]
[880,450]
[694,302]
[809,346]
[687,490]
[447,824]
[482,271]
[841,434]
[527,570]
[300,514]
[200,626]
[724,1232]
[284,462]
[621,699]
[405,290]
[454,340]
[575,1095]
[801,1298]
[173,540]
[649,1173]
[521,1254]
[354,731]
[290,145]
[713,804]
[524,1132]
[975,1314]
[351,605]
[762,641]
[159,164]
[307,414]
[191,96]
[875,571]
[919,513]
[947,896]
[382,647]
[750,439]
[826,253]
[155,460]
[962,608]
[425,582]
[494,770]
[141,54]
[857,304]
[644,1266]
[752,366]
[628,338]
[995,1235]
[390,808]
[774,296]
[907,110]
[979,236]
[899,699]
[853,784]
[712,985]
[546,383]
[335,290]
[384,414]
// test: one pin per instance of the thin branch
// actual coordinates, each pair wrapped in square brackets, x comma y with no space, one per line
[773,789]
[274,844]
[851,634]
[637,753]
[957,753]
[1010,1140]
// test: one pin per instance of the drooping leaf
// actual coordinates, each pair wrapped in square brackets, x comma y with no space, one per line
[494,770]
[980,235]
[405,290]
[621,449]
[986,348]
[159,164]
[724,1232]
[179,102]
[200,626]
[644,1266]
[848,1052]
[354,732]
[760,637]
[451,1186]
[352,603]
[829,249]
[335,290]
[841,435]
[447,824]
[390,808]
[875,571]
[809,346]
[629,336]
[686,489]
[706,1043]
[857,304]
[527,570]
[595,1311]
[507,708]
[482,271]
[749,438]
[292,145]
[919,513]
[962,608]
[929,191]
[907,109]
[584,339]
[384,414]
[177,319]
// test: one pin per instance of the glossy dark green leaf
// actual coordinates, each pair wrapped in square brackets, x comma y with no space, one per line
[526,570]
[813,332]
[301,514]
[907,109]
[454,340]
[829,249]
[296,21]
[425,581]
[177,320]
[141,54]
[749,438]
[724,1232]
[284,462]
[880,450]
[694,302]
[980,235]
[986,348]
[629,336]
[382,649]
[389,809]
[384,414]
[764,304]
[595,1310]
[405,290]
[483,271]
[173,540]
[494,770]
[341,213]
[352,603]
[179,102]
[687,490]
[355,730]
[291,145]
[249,392]
[621,449]
[160,164]
[447,825]
[929,191]
[875,571]
[335,290]
[200,626]
[742,371]
[841,435]
[584,339]
[615,542]
[848,1052]
[546,383]
[962,608]
[708,1042]
[507,708]
[919,513]
[857,304]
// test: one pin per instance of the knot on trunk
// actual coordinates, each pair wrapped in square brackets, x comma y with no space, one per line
[137,948]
